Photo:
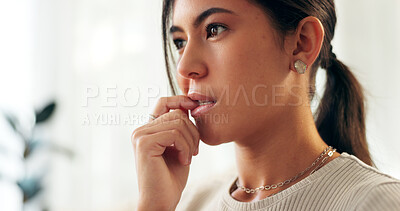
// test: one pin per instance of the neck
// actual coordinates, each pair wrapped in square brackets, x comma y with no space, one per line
[277,154]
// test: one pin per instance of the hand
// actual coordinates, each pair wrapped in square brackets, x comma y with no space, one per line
[163,150]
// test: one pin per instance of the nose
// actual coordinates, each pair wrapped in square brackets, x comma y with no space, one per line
[191,64]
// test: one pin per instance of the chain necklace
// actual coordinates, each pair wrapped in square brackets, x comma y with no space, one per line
[280,184]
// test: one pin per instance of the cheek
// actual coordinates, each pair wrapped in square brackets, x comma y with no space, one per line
[242,58]
[241,69]
[249,63]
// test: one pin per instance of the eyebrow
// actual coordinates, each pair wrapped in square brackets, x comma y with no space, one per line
[201,18]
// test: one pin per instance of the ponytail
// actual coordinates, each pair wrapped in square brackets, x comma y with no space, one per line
[341,113]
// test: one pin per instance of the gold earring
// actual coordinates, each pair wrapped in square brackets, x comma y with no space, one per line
[300,66]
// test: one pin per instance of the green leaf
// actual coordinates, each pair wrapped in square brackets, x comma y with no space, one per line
[45,113]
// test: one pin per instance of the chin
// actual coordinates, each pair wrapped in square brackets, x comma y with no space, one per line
[211,142]
[211,134]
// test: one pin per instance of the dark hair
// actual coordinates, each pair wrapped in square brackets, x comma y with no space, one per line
[340,117]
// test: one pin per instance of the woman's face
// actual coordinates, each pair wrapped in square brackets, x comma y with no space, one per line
[233,55]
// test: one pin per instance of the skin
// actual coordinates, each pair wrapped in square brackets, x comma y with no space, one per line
[252,77]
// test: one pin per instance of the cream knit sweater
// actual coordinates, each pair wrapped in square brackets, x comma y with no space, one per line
[345,183]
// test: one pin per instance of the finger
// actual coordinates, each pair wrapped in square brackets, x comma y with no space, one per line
[175,102]
[194,132]
[155,144]
[184,103]
[178,124]
[178,114]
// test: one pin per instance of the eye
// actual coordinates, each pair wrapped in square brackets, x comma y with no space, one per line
[215,29]
[179,43]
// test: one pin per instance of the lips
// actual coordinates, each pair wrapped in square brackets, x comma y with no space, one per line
[205,103]
[199,97]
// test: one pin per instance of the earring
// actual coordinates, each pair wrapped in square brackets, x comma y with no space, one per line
[300,66]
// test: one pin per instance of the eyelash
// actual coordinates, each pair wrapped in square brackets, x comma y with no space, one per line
[177,42]
[212,25]
[208,28]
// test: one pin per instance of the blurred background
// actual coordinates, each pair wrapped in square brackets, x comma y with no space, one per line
[78,76]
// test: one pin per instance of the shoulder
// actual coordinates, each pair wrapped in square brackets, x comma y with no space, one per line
[384,196]
[368,176]
[370,188]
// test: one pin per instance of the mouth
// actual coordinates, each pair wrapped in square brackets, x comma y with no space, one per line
[203,108]
[205,103]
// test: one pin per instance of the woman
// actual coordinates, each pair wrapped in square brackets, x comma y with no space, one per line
[255,62]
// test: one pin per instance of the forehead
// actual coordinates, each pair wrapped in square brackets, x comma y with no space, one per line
[188,9]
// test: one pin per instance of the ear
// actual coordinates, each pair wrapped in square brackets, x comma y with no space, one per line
[307,42]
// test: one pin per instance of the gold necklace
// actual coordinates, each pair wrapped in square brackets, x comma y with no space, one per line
[280,184]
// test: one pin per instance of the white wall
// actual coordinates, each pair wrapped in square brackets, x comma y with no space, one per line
[82,47]
[367,41]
